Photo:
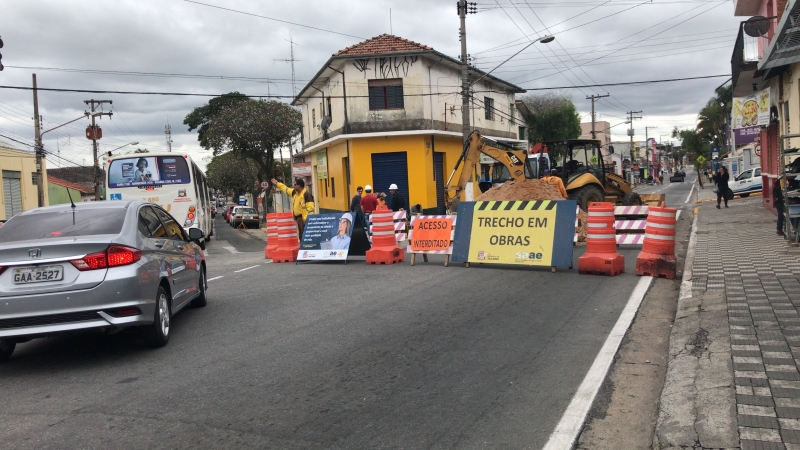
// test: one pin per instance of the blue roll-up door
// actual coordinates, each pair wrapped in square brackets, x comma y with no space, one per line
[388,168]
[438,173]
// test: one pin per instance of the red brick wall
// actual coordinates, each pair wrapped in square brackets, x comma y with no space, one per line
[781,8]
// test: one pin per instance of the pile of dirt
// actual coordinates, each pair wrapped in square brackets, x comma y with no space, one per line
[521,190]
[581,228]
[531,190]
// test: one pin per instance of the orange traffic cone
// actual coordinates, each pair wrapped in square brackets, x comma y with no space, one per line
[601,257]
[384,244]
[657,258]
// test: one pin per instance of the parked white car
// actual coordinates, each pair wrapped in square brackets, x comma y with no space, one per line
[747,182]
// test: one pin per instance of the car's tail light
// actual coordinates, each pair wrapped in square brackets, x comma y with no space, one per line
[113,256]
[2,269]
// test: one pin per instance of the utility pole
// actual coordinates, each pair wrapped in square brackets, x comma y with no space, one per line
[593,98]
[631,117]
[168,132]
[39,147]
[94,136]
[465,8]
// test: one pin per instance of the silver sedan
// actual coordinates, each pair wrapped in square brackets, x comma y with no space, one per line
[103,265]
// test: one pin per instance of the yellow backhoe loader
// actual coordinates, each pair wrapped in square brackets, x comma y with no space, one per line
[515,161]
[586,177]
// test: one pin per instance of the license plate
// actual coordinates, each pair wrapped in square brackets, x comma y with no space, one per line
[40,274]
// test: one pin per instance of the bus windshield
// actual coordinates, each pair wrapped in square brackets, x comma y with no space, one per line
[148,171]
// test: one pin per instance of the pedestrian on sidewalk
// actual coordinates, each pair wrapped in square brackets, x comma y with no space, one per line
[302,201]
[777,200]
[721,180]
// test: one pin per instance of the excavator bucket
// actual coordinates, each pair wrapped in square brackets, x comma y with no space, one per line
[653,199]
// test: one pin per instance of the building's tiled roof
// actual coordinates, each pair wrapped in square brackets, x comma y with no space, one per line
[385,43]
[67,184]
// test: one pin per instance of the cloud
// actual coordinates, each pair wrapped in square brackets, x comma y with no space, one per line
[184,38]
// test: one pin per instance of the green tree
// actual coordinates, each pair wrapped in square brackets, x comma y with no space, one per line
[227,172]
[202,117]
[553,117]
[714,115]
[692,141]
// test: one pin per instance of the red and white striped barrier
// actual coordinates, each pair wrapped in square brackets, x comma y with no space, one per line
[631,222]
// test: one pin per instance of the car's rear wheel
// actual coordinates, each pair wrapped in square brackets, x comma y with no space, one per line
[6,349]
[201,300]
[157,334]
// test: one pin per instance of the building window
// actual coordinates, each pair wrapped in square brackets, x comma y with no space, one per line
[313,118]
[511,112]
[33,177]
[386,94]
[488,104]
[522,133]
[329,108]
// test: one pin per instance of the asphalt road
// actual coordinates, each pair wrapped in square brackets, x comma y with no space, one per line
[326,355]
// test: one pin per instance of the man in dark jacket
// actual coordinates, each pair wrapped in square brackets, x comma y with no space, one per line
[721,179]
[398,202]
[777,200]
[355,204]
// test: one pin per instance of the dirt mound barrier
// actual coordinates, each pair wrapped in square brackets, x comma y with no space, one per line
[532,189]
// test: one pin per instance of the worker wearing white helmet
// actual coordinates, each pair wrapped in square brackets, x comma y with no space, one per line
[398,202]
[368,202]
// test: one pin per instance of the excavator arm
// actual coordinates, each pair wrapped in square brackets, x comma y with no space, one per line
[515,161]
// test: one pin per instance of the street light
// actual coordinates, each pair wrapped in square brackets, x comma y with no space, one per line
[125,145]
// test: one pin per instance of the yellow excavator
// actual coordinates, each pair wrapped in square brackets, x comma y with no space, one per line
[515,161]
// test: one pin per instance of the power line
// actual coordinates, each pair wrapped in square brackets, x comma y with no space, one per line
[272,18]
[154,74]
[629,83]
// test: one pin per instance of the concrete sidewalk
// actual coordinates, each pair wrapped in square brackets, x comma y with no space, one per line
[732,379]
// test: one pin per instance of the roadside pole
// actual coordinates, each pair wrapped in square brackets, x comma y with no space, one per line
[39,147]
[94,136]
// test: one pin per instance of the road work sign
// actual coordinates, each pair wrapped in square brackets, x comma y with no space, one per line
[532,233]
[431,234]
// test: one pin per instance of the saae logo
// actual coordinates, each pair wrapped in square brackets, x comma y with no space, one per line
[526,255]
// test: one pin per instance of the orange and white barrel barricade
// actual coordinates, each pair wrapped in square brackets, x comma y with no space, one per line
[384,244]
[272,235]
[601,257]
[288,241]
[657,258]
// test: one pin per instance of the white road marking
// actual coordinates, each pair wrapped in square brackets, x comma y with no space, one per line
[690,194]
[215,278]
[571,422]
[231,249]
[678,215]
[246,268]
[686,280]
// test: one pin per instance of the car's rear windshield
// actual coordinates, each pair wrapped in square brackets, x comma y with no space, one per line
[247,211]
[55,224]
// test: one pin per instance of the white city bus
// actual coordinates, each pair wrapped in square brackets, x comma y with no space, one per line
[171,180]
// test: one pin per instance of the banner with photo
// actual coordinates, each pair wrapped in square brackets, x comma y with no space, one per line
[326,237]
[752,110]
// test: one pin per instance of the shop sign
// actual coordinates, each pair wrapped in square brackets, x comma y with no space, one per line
[301,169]
[322,165]
[752,110]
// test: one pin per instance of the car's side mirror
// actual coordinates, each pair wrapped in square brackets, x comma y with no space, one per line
[195,234]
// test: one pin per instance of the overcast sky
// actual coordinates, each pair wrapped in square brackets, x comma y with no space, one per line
[599,41]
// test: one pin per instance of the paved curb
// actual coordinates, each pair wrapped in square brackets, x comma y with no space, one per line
[698,404]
